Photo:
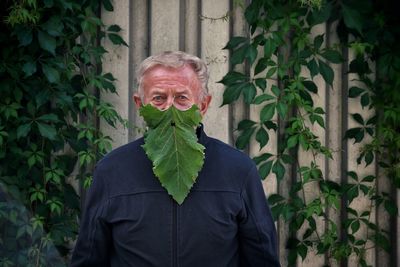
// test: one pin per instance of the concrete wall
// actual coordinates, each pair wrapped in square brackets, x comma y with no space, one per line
[153,26]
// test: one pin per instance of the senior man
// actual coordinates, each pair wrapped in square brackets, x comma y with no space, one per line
[175,197]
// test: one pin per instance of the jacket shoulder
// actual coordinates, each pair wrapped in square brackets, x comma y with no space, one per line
[230,155]
[122,154]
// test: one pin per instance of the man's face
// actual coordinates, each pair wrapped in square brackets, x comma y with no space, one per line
[166,86]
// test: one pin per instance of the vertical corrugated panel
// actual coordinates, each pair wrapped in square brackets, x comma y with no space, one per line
[305,158]
[361,203]
[196,26]
[116,61]
[214,36]
[139,29]
[333,109]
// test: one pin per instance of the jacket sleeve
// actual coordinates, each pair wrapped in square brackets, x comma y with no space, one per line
[92,246]
[257,233]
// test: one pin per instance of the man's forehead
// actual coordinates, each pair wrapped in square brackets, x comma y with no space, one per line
[161,71]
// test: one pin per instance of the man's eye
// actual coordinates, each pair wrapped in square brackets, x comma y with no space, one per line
[181,97]
[157,98]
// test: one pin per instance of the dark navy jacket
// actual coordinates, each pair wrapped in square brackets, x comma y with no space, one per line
[130,220]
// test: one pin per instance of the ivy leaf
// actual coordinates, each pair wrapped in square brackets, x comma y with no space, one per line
[278,169]
[262,137]
[310,86]
[355,91]
[107,5]
[332,56]
[47,130]
[244,139]
[249,92]
[29,68]
[232,93]
[313,67]
[364,100]
[352,18]
[261,83]
[326,72]
[267,112]
[171,144]
[47,42]
[358,118]
[318,40]
[114,28]
[51,73]
[261,98]
[23,130]
[116,39]
[265,169]
[235,41]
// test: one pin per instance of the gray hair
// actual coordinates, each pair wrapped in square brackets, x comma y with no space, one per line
[175,59]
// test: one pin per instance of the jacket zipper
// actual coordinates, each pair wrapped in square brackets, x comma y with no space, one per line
[174,234]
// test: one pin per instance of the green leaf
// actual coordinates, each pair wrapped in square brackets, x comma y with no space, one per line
[107,5]
[282,109]
[47,42]
[24,35]
[318,40]
[235,41]
[267,112]
[245,124]
[355,226]
[310,86]
[332,56]
[53,26]
[262,157]
[232,93]
[262,64]
[251,54]
[302,250]
[261,98]
[326,72]
[278,169]
[49,117]
[269,48]
[355,91]
[233,77]
[358,118]
[239,55]
[292,141]
[265,169]
[249,92]
[23,130]
[262,137]
[29,68]
[116,39]
[114,28]
[313,67]
[352,18]
[47,130]
[171,144]
[275,90]
[244,138]
[365,100]
[261,83]
[51,73]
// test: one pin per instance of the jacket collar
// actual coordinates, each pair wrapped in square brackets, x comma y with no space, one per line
[201,135]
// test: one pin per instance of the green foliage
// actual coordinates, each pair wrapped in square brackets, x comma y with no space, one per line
[281,48]
[171,144]
[50,79]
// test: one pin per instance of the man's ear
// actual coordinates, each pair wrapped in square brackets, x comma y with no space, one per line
[204,104]
[138,100]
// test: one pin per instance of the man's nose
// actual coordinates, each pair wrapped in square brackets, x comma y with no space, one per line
[169,102]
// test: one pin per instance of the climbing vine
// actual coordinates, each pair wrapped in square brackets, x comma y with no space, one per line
[50,82]
[283,59]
